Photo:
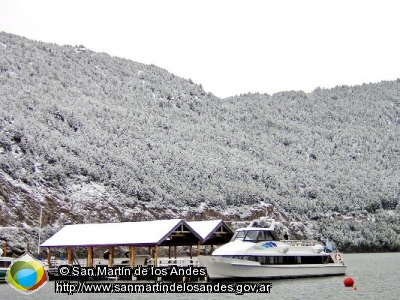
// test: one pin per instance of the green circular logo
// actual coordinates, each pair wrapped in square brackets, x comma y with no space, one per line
[26,274]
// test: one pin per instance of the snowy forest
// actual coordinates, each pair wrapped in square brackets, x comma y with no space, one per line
[94,138]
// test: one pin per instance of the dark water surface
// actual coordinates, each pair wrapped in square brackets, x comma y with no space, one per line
[376,276]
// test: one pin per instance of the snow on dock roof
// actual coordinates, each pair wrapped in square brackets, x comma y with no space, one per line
[145,233]
[115,234]
[212,230]
[204,228]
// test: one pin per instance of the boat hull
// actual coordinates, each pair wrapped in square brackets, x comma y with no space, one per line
[225,268]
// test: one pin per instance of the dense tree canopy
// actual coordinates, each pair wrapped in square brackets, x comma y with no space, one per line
[103,134]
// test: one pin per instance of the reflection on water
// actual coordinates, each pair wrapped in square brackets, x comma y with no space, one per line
[376,276]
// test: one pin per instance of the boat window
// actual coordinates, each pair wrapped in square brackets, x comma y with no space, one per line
[251,236]
[262,259]
[261,236]
[239,235]
[285,260]
[268,236]
[258,236]
[271,260]
[5,264]
[265,236]
[253,258]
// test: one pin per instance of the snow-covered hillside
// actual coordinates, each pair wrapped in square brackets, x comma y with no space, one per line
[95,138]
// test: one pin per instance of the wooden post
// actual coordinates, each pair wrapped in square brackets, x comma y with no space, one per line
[90,257]
[175,251]
[156,255]
[190,250]
[198,248]
[169,252]
[69,255]
[5,249]
[132,256]
[111,256]
[48,257]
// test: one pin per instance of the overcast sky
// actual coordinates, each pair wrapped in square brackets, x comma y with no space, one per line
[228,46]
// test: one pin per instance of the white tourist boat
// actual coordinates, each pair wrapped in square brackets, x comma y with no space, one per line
[5,263]
[257,253]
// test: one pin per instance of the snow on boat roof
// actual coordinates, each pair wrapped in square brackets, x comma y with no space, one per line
[108,234]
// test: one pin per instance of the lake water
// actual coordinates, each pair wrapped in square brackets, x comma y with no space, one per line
[376,276]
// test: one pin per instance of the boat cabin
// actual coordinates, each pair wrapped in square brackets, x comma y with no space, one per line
[254,235]
[5,262]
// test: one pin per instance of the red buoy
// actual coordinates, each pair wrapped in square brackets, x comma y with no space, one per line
[348,281]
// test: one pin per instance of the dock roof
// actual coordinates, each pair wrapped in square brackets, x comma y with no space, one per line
[145,233]
[212,232]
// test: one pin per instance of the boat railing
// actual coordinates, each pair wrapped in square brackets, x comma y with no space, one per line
[301,242]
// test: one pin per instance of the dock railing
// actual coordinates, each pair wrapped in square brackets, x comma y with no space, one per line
[180,262]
